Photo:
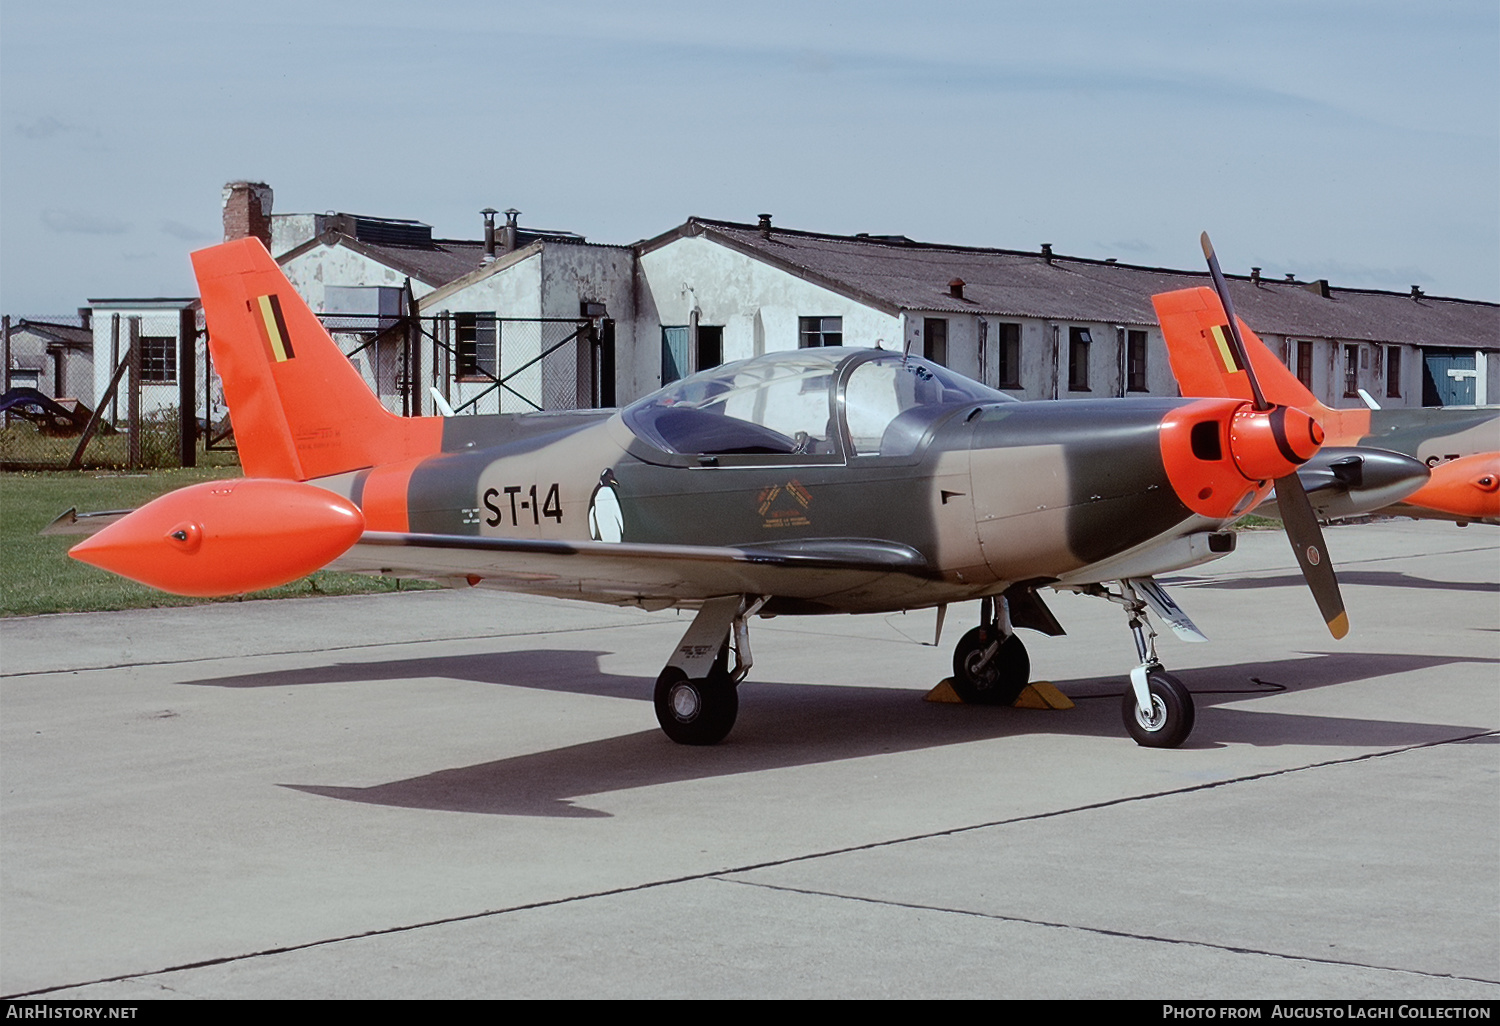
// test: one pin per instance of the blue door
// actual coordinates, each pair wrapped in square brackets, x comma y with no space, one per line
[1450,378]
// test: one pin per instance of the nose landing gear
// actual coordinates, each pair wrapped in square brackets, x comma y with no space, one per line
[1158,708]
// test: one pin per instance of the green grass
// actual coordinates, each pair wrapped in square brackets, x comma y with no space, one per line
[36,575]
[22,444]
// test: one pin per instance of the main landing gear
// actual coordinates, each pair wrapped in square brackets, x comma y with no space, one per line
[696,695]
[697,699]
[990,665]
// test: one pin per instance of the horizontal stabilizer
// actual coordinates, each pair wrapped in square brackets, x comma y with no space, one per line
[73,522]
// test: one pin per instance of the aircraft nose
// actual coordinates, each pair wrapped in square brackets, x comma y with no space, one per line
[1268,444]
[1202,445]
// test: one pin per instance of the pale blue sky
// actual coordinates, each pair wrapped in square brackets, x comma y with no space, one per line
[1357,141]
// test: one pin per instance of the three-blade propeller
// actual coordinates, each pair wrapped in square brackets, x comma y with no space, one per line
[1291,498]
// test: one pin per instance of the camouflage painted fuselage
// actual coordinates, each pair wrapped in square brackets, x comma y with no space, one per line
[981,495]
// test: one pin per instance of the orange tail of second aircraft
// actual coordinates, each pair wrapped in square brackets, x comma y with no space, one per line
[1197,336]
[300,409]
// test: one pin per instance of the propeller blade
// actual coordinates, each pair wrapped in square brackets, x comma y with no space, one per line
[1306,536]
[1236,341]
[1296,510]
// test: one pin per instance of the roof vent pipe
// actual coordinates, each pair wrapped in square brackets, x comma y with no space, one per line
[1291,277]
[956,288]
[489,233]
[1416,292]
[1047,252]
[765,226]
[1255,276]
[508,234]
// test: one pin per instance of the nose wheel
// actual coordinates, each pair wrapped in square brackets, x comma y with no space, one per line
[1168,721]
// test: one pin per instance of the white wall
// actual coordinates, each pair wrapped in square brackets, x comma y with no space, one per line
[322,265]
[551,282]
[757,305]
[154,322]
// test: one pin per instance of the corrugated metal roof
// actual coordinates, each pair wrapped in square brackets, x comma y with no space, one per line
[438,262]
[895,273]
[71,335]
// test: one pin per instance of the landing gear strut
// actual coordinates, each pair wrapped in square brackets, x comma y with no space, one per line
[1158,708]
[696,695]
[990,665]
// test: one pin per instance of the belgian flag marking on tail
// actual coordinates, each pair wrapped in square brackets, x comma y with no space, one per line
[1226,353]
[266,311]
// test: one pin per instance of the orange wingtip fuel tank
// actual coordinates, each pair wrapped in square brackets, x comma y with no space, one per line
[1467,487]
[227,537]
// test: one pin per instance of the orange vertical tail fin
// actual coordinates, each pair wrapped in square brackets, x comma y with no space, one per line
[300,409]
[1196,331]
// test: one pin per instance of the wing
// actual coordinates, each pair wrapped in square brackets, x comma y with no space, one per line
[840,573]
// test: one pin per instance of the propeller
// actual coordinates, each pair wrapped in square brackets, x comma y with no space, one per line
[1297,515]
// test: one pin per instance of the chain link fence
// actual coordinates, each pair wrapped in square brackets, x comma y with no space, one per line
[82,395]
[473,363]
[85,394]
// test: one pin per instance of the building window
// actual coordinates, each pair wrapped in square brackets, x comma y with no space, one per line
[158,359]
[1351,371]
[1393,372]
[820,331]
[477,347]
[1305,364]
[1135,362]
[1008,355]
[935,339]
[1079,341]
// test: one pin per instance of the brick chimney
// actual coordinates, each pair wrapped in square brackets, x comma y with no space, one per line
[247,211]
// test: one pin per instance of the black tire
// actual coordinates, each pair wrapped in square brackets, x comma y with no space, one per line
[1172,707]
[1001,680]
[696,711]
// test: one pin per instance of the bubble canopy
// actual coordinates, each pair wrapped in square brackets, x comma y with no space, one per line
[814,403]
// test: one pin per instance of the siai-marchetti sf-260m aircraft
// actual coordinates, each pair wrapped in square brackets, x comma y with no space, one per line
[1433,463]
[816,481]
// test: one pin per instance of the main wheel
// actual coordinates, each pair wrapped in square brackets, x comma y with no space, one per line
[1171,718]
[996,682]
[696,711]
